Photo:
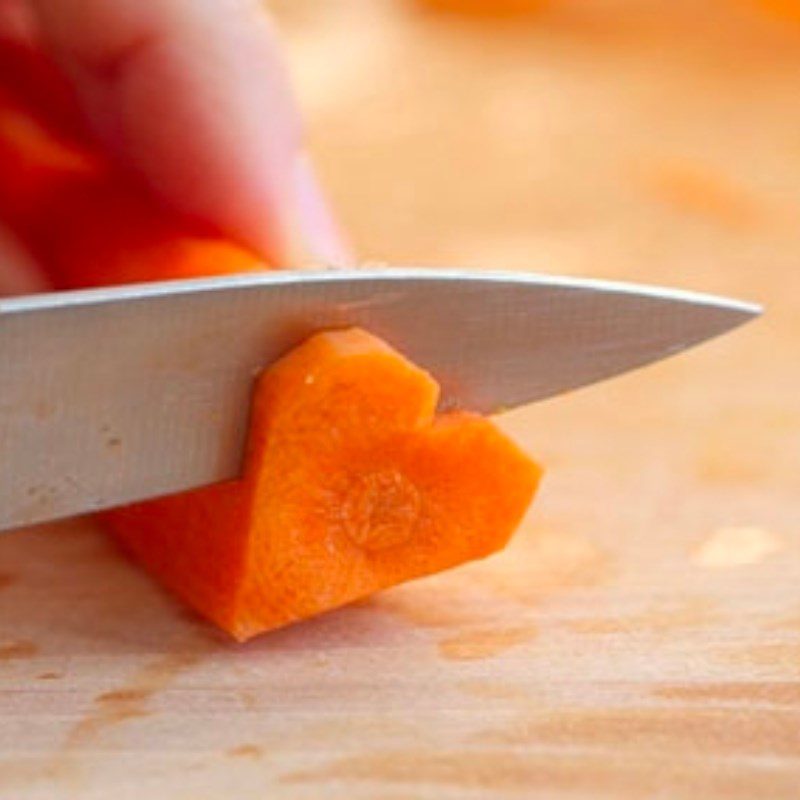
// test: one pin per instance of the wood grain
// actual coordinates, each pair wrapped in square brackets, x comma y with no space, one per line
[641,636]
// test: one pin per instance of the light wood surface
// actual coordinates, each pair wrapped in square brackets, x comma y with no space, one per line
[641,636]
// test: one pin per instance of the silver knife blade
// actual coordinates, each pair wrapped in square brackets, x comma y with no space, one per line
[108,396]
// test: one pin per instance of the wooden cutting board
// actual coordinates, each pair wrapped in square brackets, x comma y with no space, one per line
[641,636]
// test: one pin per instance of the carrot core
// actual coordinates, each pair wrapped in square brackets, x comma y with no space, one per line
[380,509]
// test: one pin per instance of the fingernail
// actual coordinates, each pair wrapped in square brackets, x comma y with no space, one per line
[315,238]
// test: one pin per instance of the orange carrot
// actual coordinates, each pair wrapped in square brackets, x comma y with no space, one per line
[789,9]
[351,485]
[351,482]
[486,8]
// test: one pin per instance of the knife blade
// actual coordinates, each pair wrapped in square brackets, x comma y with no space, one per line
[109,396]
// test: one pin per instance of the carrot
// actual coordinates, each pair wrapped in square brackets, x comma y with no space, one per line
[486,8]
[789,9]
[351,482]
[351,485]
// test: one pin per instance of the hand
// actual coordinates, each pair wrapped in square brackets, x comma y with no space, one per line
[193,95]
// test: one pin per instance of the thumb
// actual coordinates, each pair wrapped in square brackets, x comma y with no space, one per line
[194,96]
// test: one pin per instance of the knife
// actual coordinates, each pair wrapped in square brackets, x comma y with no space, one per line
[113,395]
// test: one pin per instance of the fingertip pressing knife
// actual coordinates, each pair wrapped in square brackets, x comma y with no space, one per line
[108,396]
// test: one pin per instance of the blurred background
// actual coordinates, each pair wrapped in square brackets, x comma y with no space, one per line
[602,137]
[641,633]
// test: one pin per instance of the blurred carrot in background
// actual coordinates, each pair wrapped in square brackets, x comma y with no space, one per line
[487,8]
[786,8]
[497,8]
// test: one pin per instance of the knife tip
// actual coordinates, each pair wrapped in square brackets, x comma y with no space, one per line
[741,311]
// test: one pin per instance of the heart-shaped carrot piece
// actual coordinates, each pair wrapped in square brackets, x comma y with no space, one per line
[352,484]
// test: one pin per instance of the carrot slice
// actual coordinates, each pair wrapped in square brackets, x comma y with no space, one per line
[351,484]
[107,231]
